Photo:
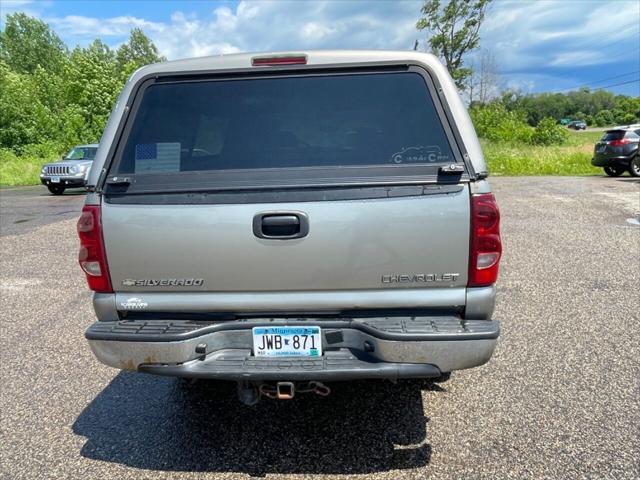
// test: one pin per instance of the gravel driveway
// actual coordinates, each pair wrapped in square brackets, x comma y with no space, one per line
[559,399]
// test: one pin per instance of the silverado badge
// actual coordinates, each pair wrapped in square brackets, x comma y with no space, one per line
[163,282]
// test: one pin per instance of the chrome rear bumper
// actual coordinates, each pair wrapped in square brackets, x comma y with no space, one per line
[394,347]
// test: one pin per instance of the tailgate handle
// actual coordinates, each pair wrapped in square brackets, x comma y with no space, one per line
[280,225]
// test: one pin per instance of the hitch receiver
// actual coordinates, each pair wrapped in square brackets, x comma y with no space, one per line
[285,390]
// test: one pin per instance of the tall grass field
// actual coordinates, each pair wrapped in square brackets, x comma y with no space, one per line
[572,158]
[23,170]
[503,158]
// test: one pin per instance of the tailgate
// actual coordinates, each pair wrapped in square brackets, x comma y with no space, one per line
[350,245]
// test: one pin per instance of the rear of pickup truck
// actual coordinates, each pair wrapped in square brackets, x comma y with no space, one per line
[287,218]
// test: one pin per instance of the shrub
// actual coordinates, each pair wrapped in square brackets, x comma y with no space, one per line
[494,122]
[604,118]
[548,132]
[628,119]
[497,124]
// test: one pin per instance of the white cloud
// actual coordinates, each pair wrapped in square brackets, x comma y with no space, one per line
[30,7]
[260,26]
[529,38]
[81,26]
[315,31]
[526,35]
[522,85]
[12,5]
[578,58]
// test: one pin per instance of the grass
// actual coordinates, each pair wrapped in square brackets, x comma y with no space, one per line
[16,170]
[572,158]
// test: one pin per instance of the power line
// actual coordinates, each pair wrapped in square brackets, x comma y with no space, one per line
[618,84]
[595,82]
[611,78]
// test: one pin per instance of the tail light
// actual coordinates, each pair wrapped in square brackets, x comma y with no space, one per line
[485,244]
[619,143]
[92,257]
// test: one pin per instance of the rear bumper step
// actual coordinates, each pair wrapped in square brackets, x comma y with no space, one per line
[393,347]
[388,328]
[334,366]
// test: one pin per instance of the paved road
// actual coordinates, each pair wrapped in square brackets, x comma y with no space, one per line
[24,209]
[560,398]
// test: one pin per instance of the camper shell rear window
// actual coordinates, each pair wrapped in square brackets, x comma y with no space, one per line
[288,130]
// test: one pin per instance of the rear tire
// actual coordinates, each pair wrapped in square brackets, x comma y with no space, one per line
[613,171]
[634,167]
[56,189]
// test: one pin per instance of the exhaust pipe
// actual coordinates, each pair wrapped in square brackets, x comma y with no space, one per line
[248,393]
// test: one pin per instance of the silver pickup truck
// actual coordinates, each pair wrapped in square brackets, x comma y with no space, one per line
[283,220]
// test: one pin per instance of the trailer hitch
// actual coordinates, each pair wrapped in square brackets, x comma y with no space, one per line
[250,393]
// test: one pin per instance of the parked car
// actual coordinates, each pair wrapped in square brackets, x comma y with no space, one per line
[617,151]
[286,220]
[577,125]
[71,171]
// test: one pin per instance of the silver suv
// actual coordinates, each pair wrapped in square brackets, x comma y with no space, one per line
[284,220]
[71,172]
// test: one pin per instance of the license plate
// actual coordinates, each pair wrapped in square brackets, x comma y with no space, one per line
[287,342]
[55,179]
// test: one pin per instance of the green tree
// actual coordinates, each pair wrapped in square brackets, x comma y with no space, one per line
[455,30]
[24,118]
[93,84]
[578,105]
[138,51]
[27,43]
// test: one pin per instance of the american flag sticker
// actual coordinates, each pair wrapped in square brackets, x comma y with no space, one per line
[157,157]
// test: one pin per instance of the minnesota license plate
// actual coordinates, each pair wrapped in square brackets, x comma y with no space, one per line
[287,342]
[55,179]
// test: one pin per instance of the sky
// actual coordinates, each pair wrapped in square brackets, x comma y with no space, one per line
[538,45]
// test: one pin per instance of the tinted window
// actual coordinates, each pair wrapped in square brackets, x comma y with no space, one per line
[276,123]
[613,135]
[82,153]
